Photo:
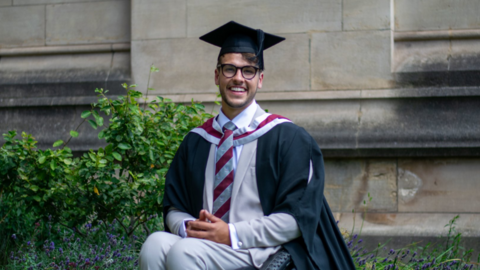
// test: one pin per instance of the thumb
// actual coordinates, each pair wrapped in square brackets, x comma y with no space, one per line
[211,217]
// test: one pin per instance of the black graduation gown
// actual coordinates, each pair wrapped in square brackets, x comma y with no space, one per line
[283,163]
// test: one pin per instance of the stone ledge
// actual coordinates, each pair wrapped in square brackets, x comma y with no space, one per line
[68,49]
[264,96]
[437,35]
[409,224]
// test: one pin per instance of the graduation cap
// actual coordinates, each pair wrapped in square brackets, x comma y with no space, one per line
[233,37]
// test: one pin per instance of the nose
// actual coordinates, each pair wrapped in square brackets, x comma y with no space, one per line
[238,77]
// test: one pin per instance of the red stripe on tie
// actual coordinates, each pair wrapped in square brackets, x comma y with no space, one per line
[223,160]
[227,181]
[227,134]
[223,209]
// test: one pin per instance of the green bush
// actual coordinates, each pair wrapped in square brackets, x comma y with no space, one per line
[122,181]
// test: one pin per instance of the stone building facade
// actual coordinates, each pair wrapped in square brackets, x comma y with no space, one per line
[390,89]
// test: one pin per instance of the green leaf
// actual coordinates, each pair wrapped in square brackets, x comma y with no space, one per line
[57,143]
[103,161]
[37,198]
[150,153]
[34,188]
[92,123]
[67,161]
[42,159]
[86,114]
[73,133]
[117,156]
[101,134]
[124,146]
[53,165]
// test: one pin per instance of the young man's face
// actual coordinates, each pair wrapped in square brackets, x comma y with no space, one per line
[237,92]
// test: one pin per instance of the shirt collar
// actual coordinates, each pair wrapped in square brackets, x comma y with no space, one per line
[243,119]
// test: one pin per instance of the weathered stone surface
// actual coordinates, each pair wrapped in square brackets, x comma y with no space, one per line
[37,2]
[465,55]
[436,15]
[64,68]
[159,19]
[275,16]
[351,60]
[366,14]
[421,56]
[437,55]
[439,185]
[48,124]
[89,22]
[186,65]
[348,183]
[6,2]
[22,26]
[410,224]
[386,127]
[287,64]
[333,124]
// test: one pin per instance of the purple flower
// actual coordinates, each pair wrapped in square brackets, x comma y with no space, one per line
[28,243]
[14,236]
[360,241]
[355,236]
[52,245]
[60,250]
[391,252]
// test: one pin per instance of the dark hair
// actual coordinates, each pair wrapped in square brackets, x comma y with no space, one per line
[250,57]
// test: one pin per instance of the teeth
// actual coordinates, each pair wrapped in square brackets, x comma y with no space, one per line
[237,89]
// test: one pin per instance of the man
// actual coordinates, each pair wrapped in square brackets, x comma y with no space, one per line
[245,183]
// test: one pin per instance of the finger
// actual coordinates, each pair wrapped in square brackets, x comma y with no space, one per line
[202,216]
[197,234]
[200,225]
[212,218]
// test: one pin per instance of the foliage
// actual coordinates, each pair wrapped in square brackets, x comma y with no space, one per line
[104,246]
[432,256]
[124,179]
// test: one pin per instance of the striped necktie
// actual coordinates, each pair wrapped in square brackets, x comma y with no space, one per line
[224,174]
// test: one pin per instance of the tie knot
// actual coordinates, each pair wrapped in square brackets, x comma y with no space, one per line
[230,126]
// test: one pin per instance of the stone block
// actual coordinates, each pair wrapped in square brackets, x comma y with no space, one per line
[348,183]
[64,68]
[153,19]
[187,65]
[421,56]
[5,2]
[366,14]
[436,15]
[333,124]
[351,60]
[37,2]
[275,16]
[49,124]
[439,185]
[410,224]
[287,65]
[22,26]
[89,22]
[465,55]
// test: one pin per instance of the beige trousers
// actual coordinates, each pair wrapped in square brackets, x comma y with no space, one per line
[164,250]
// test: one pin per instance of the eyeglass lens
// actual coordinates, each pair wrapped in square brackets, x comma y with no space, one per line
[248,72]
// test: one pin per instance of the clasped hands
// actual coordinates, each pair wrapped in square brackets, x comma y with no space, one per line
[209,227]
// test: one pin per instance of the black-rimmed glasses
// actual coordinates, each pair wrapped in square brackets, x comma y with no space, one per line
[229,70]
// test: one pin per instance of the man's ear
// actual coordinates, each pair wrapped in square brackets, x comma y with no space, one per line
[260,80]
[217,77]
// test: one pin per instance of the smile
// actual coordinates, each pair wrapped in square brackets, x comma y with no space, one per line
[237,89]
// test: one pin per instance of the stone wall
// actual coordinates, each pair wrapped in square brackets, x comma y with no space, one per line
[388,88]
[53,54]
